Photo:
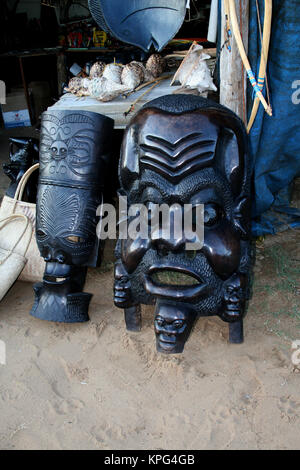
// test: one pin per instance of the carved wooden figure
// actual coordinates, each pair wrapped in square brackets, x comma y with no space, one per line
[186,150]
[74,149]
[23,153]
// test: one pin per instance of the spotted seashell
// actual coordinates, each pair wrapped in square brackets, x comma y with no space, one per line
[97,69]
[156,64]
[74,85]
[84,91]
[140,68]
[132,75]
[113,72]
[105,90]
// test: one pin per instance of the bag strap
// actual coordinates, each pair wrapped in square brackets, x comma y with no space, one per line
[23,181]
[5,222]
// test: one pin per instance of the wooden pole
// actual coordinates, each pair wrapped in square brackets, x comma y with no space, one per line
[239,41]
[232,72]
[61,72]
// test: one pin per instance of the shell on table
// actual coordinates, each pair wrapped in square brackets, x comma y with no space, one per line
[156,65]
[132,75]
[97,69]
[147,76]
[194,71]
[85,87]
[113,72]
[106,82]
[74,85]
[78,86]
[105,90]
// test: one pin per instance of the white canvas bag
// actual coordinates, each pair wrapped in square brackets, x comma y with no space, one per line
[34,268]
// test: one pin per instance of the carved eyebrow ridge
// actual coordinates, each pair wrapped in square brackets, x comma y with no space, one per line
[179,158]
[173,166]
[173,146]
[175,172]
[175,155]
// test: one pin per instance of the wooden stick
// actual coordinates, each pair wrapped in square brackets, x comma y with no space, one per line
[143,85]
[212,51]
[263,59]
[131,107]
[238,39]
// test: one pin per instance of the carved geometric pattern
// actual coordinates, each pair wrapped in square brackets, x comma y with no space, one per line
[180,158]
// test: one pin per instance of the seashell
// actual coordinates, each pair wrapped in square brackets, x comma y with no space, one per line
[156,64]
[113,72]
[139,66]
[84,90]
[132,75]
[195,73]
[74,85]
[147,75]
[105,90]
[78,86]
[97,69]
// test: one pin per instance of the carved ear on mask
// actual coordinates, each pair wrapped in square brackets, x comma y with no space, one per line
[230,160]
[129,161]
[241,217]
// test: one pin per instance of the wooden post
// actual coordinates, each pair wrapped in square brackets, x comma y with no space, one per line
[26,91]
[233,80]
[61,72]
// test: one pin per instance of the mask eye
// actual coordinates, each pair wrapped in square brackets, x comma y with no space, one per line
[40,234]
[178,324]
[74,239]
[212,214]
[54,149]
[160,321]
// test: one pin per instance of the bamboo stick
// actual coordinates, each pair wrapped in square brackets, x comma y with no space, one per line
[263,59]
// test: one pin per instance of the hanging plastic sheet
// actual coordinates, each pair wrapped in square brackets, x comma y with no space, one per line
[275,141]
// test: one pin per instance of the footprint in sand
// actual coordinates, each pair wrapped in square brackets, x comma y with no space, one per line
[289,409]
[223,427]
[68,407]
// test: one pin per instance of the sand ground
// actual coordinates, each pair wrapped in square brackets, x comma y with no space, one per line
[96,386]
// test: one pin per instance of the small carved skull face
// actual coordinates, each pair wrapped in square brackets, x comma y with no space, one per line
[59,150]
[172,327]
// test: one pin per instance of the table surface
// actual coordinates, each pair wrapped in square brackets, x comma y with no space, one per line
[116,108]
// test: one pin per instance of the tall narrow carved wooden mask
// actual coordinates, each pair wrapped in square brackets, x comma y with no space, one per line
[74,148]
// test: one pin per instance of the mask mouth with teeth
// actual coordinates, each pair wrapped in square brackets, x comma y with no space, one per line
[181,150]
[145,24]
[74,148]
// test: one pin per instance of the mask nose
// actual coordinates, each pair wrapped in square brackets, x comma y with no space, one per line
[47,257]
[234,298]
[51,255]
[168,330]
[60,258]
[167,232]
